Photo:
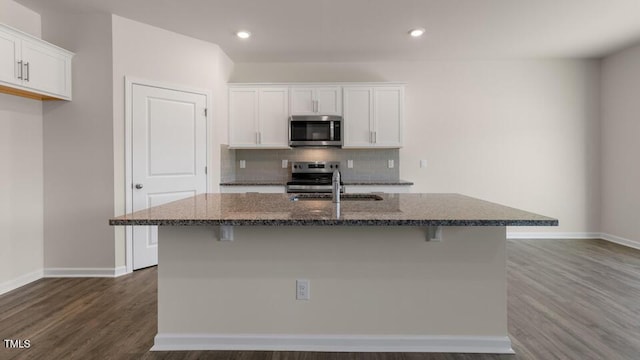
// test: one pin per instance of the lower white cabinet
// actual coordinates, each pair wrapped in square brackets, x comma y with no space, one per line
[33,68]
[279,189]
[363,189]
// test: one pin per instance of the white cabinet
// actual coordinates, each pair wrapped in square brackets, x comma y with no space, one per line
[33,68]
[365,189]
[258,117]
[373,116]
[316,100]
[9,58]
[272,189]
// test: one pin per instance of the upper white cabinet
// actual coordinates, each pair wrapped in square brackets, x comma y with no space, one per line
[258,117]
[316,100]
[33,68]
[373,116]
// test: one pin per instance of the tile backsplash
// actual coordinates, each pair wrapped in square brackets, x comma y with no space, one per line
[369,164]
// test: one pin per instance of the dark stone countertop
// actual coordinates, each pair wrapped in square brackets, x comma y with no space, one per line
[278,209]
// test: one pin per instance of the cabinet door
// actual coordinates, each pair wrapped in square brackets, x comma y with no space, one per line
[387,116]
[329,100]
[358,109]
[272,117]
[46,70]
[302,101]
[9,57]
[243,117]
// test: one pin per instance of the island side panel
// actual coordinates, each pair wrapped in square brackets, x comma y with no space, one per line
[363,281]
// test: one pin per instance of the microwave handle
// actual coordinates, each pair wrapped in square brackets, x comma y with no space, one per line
[331,130]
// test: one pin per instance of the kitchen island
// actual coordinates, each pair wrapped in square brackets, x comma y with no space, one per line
[409,272]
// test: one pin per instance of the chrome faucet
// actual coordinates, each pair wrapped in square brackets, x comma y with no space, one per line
[335,186]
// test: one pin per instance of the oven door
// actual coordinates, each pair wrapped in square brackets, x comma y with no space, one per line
[314,131]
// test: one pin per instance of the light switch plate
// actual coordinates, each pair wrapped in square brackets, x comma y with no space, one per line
[423,163]
[285,164]
[391,164]
[350,164]
[243,164]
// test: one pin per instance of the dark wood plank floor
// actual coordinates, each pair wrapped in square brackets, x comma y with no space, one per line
[568,299]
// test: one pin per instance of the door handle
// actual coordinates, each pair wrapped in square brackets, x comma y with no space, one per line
[20,68]
[26,77]
[139,186]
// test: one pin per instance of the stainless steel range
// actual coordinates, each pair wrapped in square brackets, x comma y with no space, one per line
[312,177]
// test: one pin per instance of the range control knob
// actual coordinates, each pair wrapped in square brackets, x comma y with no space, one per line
[331,166]
[337,166]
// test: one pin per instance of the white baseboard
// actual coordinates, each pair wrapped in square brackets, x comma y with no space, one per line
[553,235]
[21,280]
[85,272]
[119,271]
[621,241]
[334,343]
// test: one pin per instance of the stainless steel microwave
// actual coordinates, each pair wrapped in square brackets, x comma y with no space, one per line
[315,131]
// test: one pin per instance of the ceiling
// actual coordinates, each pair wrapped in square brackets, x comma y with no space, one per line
[376,30]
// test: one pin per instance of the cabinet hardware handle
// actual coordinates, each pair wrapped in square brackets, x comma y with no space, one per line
[26,77]
[375,137]
[139,186]
[20,67]
[257,138]
[370,136]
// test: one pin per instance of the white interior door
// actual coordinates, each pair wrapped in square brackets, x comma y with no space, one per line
[168,156]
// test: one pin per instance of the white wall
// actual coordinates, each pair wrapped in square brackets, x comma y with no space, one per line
[21,177]
[521,133]
[78,147]
[145,52]
[620,146]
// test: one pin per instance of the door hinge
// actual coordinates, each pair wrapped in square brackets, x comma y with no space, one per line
[205,111]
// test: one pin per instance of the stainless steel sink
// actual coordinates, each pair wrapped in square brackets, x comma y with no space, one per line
[343,197]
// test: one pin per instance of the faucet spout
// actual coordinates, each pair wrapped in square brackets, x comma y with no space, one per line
[335,186]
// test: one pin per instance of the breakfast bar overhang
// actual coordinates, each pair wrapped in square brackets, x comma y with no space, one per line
[407,273]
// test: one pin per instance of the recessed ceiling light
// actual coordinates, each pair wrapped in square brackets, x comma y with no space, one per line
[243,34]
[416,32]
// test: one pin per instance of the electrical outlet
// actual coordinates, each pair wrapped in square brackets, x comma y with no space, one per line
[302,290]
[350,164]
[423,164]
[285,164]
[391,164]
[243,164]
